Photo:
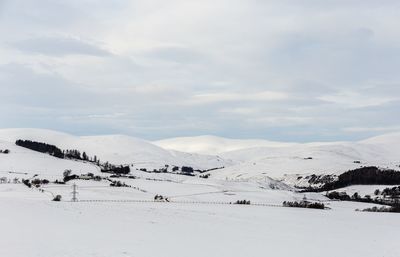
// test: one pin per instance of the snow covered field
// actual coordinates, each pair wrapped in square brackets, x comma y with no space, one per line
[31,225]
[199,219]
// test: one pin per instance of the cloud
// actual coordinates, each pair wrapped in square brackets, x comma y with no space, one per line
[208,98]
[371,129]
[281,70]
[175,54]
[280,121]
[59,46]
[241,111]
[350,99]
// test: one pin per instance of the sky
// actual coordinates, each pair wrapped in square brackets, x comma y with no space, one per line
[301,70]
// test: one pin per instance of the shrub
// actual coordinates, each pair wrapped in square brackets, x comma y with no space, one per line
[57,198]
[27,183]
[242,202]
[304,204]
[395,208]
[186,169]
[118,184]
[66,173]
[71,177]
[116,169]
[343,196]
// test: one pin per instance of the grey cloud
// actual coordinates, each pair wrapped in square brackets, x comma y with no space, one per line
[21,85]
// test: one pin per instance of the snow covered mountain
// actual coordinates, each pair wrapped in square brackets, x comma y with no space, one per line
[289,163]
[24,163]
[215,145]
[117,149]
[257,159]
[229,159]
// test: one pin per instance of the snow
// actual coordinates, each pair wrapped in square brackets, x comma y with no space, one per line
[33,226]
[214,145]
[24,163]
[390,142]
[240,160]
[277,163]
[117,149]
[199,219]
[256,159]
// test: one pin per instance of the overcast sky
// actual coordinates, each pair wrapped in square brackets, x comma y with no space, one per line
[301,70]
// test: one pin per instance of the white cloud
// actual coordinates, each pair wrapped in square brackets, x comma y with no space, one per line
[59,46]
[280,121]
[237,97]
[371,129]
[357,99]
[241,111]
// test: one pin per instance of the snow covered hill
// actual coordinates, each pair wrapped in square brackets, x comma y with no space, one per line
[257,159]
[390,142]
[290,162]
[214,145]
[241,160]
[24,163]
[117,149]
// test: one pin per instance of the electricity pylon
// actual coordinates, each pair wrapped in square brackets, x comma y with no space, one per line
[74,193]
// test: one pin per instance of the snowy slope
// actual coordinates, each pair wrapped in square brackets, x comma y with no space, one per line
[117,149]
[257,159]
[304,159]
[22,162]
[214,145]
[238,159]
[390,142]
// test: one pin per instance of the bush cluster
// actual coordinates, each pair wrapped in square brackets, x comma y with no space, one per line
[383,209]
[242,202]
[304,204]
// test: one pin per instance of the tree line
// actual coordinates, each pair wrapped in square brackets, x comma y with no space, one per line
[55,151]
[72,154]
[362,176]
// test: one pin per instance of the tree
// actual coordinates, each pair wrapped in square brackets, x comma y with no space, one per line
[57,198]
[355,196]
[67,173]
[377,192]
[185,169]
[84,156]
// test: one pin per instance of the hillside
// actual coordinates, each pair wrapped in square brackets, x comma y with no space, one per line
[24,163]
[305,159]
[117,149]
[241,160]
[215,145]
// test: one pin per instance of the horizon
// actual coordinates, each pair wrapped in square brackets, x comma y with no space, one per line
[195,136]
